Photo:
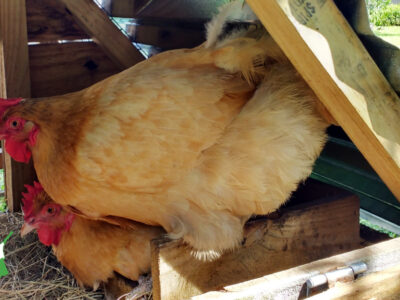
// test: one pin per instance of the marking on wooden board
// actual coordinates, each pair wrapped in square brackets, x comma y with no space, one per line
[305,11]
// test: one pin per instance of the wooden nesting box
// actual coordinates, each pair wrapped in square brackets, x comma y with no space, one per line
[321,221]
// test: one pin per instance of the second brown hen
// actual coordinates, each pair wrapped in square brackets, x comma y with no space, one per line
[94,252]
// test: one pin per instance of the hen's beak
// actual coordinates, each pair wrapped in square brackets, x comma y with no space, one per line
[26,228]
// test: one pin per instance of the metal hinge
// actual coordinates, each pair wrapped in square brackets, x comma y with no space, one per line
[329,279]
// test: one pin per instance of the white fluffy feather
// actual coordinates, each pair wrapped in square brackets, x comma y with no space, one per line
[236,10]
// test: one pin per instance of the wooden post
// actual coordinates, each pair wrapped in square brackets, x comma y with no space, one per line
[14,82]
[98,26]
[327,53]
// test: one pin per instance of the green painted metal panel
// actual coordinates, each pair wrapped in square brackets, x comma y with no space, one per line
[341,164]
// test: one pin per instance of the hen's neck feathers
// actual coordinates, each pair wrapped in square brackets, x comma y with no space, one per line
[60,121]
[59,118]
[55,112]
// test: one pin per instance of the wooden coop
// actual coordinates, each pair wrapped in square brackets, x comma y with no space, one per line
[311,248]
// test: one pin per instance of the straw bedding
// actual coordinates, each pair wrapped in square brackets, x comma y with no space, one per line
[34,272]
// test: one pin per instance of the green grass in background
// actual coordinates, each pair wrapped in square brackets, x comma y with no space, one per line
[390,34]
[3,204]
[378,228]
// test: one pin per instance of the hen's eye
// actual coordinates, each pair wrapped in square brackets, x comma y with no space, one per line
[50,210]
[14,124]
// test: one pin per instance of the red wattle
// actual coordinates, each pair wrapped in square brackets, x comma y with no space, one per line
[18,150]
[49,236]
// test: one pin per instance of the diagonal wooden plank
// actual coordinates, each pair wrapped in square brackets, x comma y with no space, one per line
[324,49]
[14,82]
[97,25]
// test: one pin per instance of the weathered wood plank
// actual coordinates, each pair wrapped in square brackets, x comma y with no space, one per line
[49,21]
[166,37]
[14,50]
[302,234]
[14,82]
[62,68]
[290,284]
[330,57]
[96,24]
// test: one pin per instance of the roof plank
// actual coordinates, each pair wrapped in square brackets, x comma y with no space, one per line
[95,22]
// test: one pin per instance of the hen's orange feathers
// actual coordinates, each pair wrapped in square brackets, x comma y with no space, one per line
[193,140]
[94,251]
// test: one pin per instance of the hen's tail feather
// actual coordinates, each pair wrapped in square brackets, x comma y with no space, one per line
[248,49]
[249,56]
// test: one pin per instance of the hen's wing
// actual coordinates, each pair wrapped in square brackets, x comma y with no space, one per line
[153,121]
[113,220]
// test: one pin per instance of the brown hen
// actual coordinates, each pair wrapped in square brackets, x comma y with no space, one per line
[195,140]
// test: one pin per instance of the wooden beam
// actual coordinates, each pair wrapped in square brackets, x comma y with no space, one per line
[49,21]
[302,234]
[14,82]
[383,258]
[83,60]
[97,25]
[326,52]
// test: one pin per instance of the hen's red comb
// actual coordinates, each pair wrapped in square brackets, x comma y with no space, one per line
[6,103]
[29,197]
